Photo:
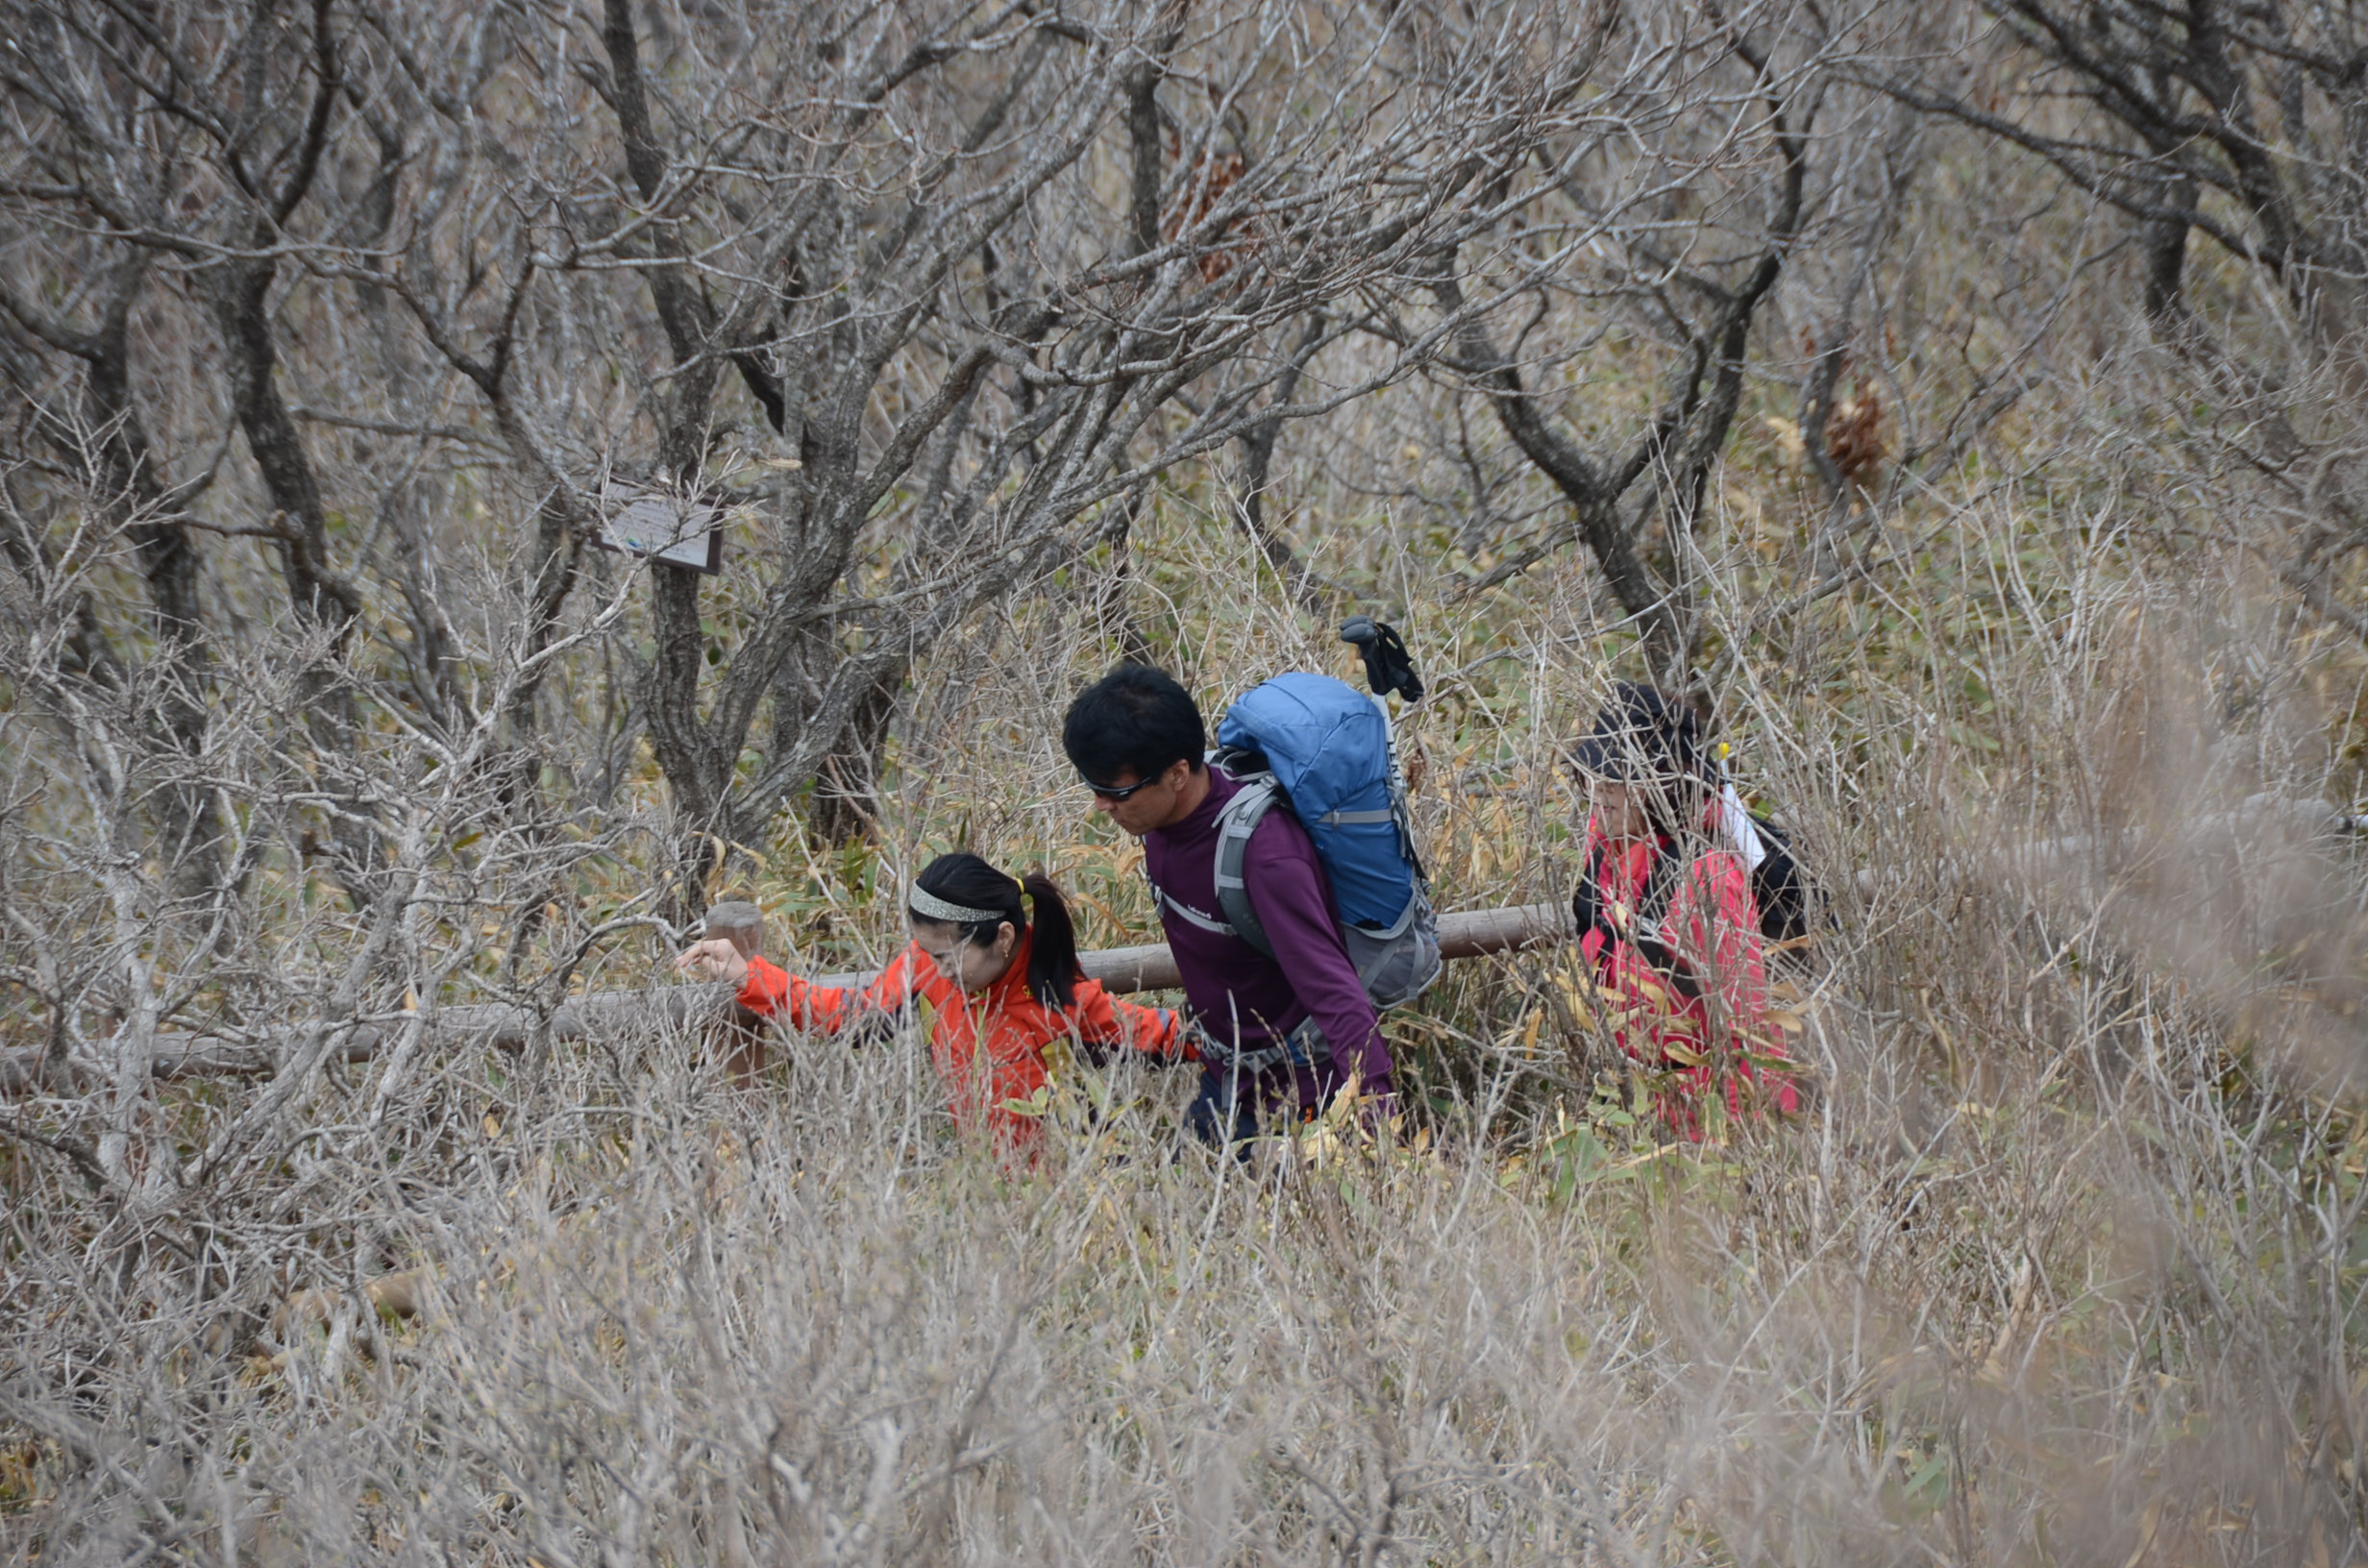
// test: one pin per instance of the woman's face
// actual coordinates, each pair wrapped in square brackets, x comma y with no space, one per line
[1620,810]
[973,966]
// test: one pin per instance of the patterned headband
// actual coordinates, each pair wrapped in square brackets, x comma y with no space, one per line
[930,906]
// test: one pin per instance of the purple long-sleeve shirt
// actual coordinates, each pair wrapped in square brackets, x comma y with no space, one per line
[1236,993]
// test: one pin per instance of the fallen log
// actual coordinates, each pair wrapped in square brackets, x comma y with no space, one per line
[510,1025]
[1465,934]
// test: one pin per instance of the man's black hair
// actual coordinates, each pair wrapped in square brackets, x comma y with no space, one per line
[1134,718]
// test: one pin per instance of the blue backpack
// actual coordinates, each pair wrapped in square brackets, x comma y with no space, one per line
[1322,750]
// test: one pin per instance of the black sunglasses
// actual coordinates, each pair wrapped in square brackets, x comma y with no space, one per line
[1116,793]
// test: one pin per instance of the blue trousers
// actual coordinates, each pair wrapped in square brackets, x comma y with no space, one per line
[1218,1116]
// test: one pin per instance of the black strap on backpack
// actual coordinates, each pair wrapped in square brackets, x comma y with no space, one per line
[1787,902]
[1653,908]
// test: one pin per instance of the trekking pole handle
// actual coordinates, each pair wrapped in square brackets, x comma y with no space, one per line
[1387,665]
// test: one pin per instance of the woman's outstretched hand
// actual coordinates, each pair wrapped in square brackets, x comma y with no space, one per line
[715,959]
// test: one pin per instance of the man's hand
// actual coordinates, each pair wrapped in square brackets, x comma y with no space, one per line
[1371,1107]
[715,959]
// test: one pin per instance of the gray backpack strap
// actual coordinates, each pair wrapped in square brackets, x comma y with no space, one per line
[1241,815]
[1218,924]
[1187,914]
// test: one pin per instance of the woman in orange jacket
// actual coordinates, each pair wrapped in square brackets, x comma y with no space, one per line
[1003,991]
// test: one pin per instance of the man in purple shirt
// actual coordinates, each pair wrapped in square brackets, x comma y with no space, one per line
[1285,1030]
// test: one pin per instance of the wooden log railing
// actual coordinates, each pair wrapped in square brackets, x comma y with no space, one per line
[510,1025]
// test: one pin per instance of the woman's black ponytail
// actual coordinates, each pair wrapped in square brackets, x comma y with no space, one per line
[1053,972]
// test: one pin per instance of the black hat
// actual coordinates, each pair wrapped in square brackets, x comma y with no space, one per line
[1641,736]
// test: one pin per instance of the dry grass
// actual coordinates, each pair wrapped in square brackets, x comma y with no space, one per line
[2058,1266]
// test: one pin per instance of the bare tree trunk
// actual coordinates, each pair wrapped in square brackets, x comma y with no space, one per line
[1111,609]
[846,790]
[109,443]
[1673,456]
[1256,472]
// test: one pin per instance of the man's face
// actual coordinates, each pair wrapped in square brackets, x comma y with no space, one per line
[1149,806]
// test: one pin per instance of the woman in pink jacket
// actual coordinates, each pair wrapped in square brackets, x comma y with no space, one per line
[1666,915]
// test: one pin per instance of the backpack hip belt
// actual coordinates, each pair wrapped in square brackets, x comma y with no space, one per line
[1304,1046]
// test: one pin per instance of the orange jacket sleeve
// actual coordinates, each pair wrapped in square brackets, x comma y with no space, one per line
[1102,1019]
[773,993]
